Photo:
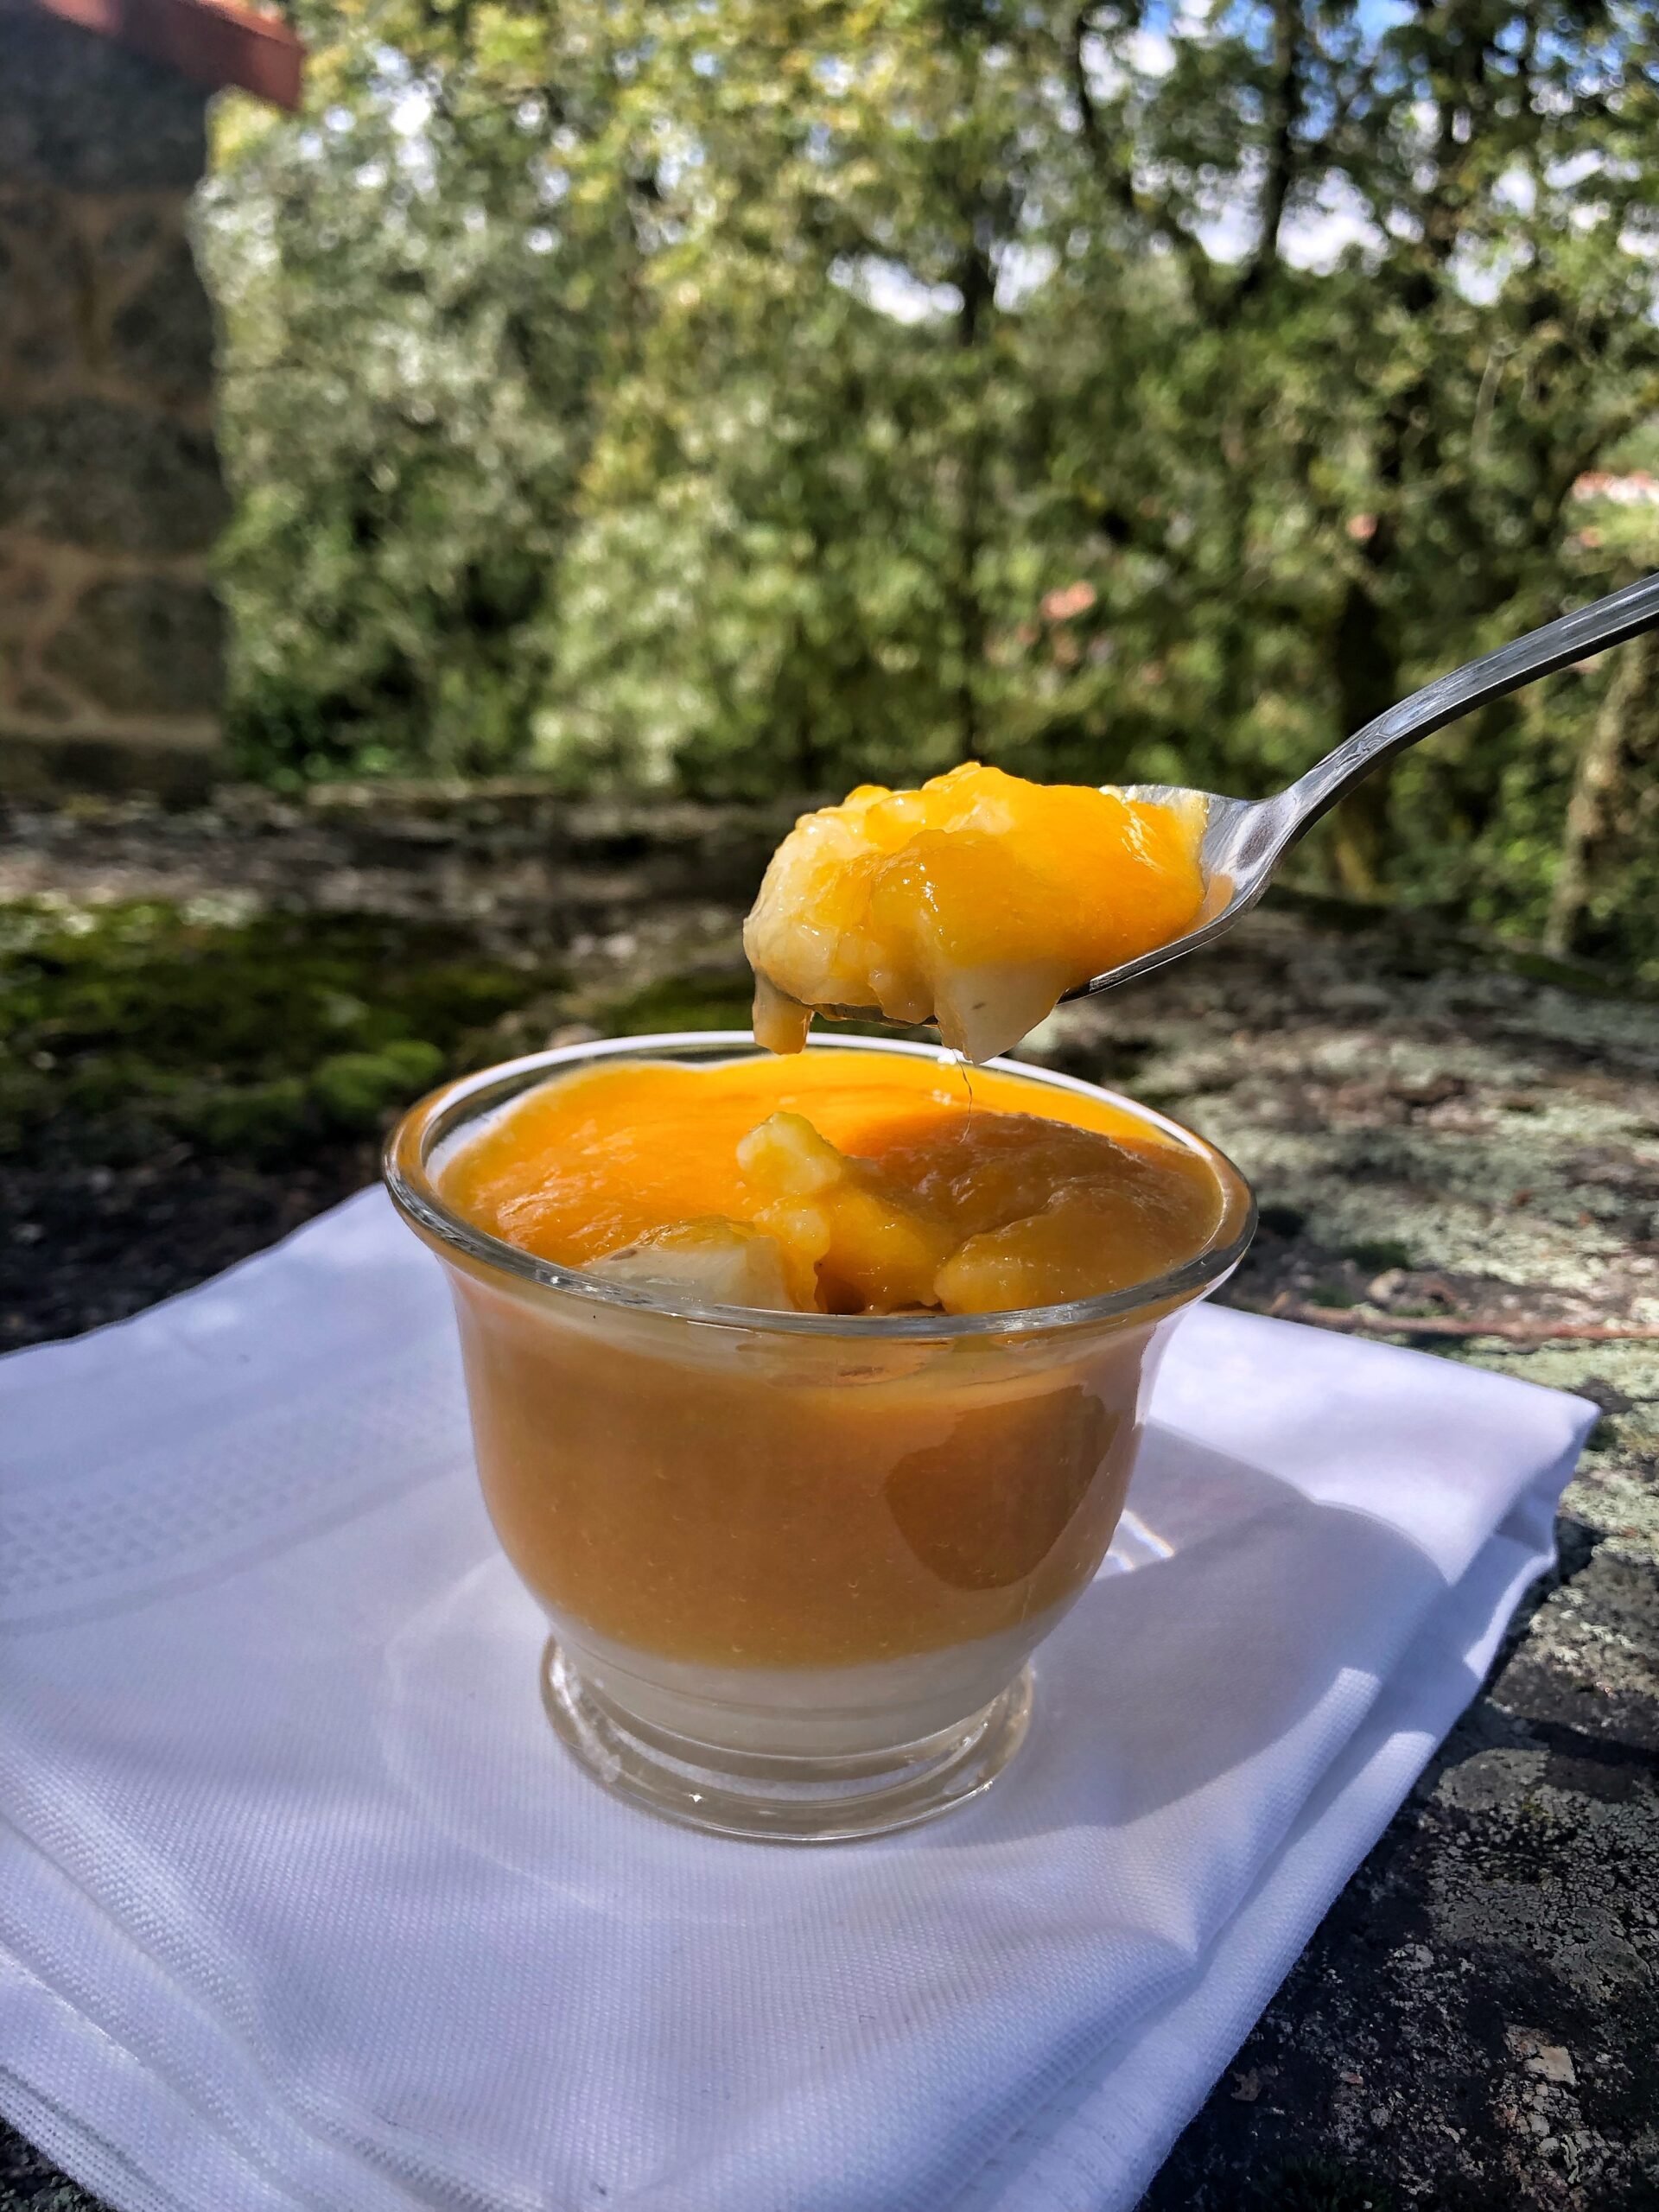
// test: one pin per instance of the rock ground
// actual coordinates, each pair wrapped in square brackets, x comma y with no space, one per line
[1441,1136]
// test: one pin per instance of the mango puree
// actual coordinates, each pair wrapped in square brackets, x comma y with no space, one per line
[729,1494]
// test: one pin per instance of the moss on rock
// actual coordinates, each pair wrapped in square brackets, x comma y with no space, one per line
[127,1026]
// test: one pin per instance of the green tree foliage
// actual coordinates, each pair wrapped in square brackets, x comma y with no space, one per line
[746,395]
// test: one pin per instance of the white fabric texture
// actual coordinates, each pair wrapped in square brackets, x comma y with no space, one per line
[302,1904]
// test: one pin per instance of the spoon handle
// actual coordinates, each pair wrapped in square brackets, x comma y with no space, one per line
[1609,621]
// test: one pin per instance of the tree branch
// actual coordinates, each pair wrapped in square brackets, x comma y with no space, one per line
[1285,114]
[1118,182]
[1117,179]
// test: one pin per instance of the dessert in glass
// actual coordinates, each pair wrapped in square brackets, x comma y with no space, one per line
[806,1393]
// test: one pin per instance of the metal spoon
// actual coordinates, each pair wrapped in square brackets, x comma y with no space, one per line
[1244,840]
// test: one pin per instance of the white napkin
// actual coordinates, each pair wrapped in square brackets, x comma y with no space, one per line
[301,1904]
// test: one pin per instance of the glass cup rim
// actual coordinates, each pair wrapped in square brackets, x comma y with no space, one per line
[443,1112]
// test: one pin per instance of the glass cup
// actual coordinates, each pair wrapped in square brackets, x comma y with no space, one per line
[795,1564]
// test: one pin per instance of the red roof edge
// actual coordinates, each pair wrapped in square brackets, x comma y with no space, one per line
[213,42]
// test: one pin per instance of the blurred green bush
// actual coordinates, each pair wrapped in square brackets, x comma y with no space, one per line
[754,395]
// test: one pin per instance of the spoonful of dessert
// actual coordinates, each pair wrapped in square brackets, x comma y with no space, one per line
[979,901]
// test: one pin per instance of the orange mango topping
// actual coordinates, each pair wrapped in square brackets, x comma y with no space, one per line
[976,901]
[842,1182]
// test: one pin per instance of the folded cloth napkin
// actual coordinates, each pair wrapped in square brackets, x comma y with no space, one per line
[301,1906]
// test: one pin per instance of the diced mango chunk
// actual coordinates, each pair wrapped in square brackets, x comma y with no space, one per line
[1043,1259]
[713,1261]
[872,1247]
[786,1156]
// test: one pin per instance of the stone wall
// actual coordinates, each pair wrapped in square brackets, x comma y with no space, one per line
[111,495]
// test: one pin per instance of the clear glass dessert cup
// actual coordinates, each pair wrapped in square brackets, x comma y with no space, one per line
[795,1564]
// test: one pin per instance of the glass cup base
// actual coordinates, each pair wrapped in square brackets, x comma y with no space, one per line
[781,1799]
